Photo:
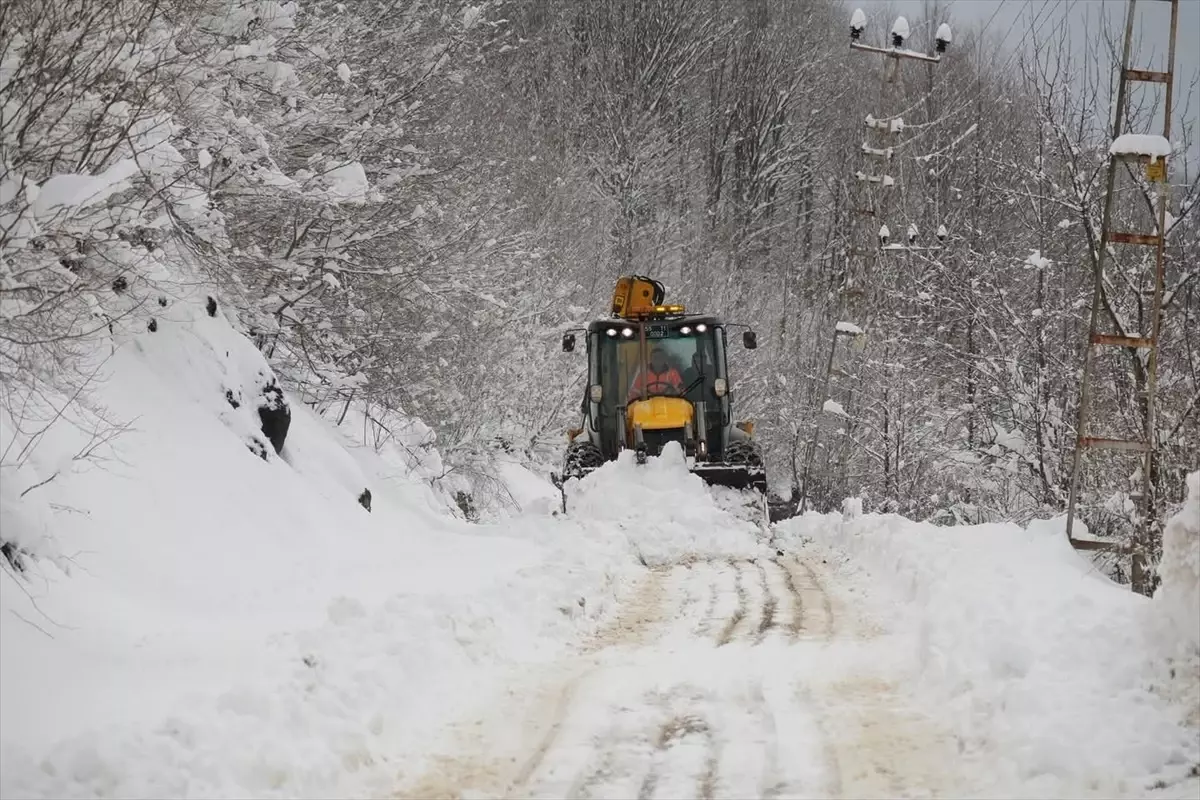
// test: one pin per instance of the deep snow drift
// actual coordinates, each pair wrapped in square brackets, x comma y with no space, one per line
[1055,678]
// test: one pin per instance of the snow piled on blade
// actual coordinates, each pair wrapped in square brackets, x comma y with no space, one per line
[1046,667]
[668,514]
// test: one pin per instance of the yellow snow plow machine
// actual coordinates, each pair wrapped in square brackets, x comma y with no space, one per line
[657,374]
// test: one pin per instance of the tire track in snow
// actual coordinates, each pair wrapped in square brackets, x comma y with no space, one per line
[771,785]
[612,723]
[826,625]
[703,628]
[698,582]
[814,616]
[796,624]
[833,761]
[590,778]
[757,597]
[769,607]
[620,746]
[644,611]
[881,747]
[673,744]
[620,756]
[479,767]
[739,613]
[724,601]
[788,603]
[708,781]
[539,754]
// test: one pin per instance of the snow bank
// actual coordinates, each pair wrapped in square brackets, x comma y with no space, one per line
[668,514]
[1143,144]
[1040,663]
[1177,602]
[204,620]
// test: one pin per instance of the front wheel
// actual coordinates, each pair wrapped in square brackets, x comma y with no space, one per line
[747,453]
[581,458]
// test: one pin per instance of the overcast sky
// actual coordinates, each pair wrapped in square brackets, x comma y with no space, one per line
[1011,20]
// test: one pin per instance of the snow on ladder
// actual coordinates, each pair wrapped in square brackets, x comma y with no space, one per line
[1152,152]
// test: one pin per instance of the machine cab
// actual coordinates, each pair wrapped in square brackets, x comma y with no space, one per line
[655,380]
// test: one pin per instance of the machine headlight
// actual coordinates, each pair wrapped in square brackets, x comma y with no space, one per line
[596,393]
[720,387]
[685,330]
[611,331]
[701,328]
[628,332]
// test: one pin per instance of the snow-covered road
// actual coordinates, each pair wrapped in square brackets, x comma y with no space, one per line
[719,678]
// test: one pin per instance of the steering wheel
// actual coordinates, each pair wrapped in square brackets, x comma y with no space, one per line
[666,389]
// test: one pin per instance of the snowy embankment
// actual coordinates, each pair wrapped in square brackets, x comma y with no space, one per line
[1057,681]
[1177,604]
[199,616]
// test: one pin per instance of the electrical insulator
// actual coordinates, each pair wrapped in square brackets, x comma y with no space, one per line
[858,22]
[943,37]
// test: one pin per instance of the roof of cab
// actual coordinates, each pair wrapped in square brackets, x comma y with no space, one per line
[673,320]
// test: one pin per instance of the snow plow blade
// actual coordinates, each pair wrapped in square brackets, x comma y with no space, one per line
[734,476]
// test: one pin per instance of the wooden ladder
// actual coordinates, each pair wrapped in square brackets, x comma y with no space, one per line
[1127,155]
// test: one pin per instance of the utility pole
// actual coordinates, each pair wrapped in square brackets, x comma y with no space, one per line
[870,236]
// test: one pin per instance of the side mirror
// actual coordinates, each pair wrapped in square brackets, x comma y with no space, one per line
[568,342]
[750,340]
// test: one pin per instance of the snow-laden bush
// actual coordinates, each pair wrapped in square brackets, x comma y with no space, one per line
[145,150]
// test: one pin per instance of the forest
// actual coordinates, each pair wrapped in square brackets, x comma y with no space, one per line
[404,204]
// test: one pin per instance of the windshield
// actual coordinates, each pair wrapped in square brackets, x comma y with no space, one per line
[676,364]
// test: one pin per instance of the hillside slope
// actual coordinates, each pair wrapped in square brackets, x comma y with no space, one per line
[197,615]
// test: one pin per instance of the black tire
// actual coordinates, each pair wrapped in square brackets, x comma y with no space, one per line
[581,457]
[744,453]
